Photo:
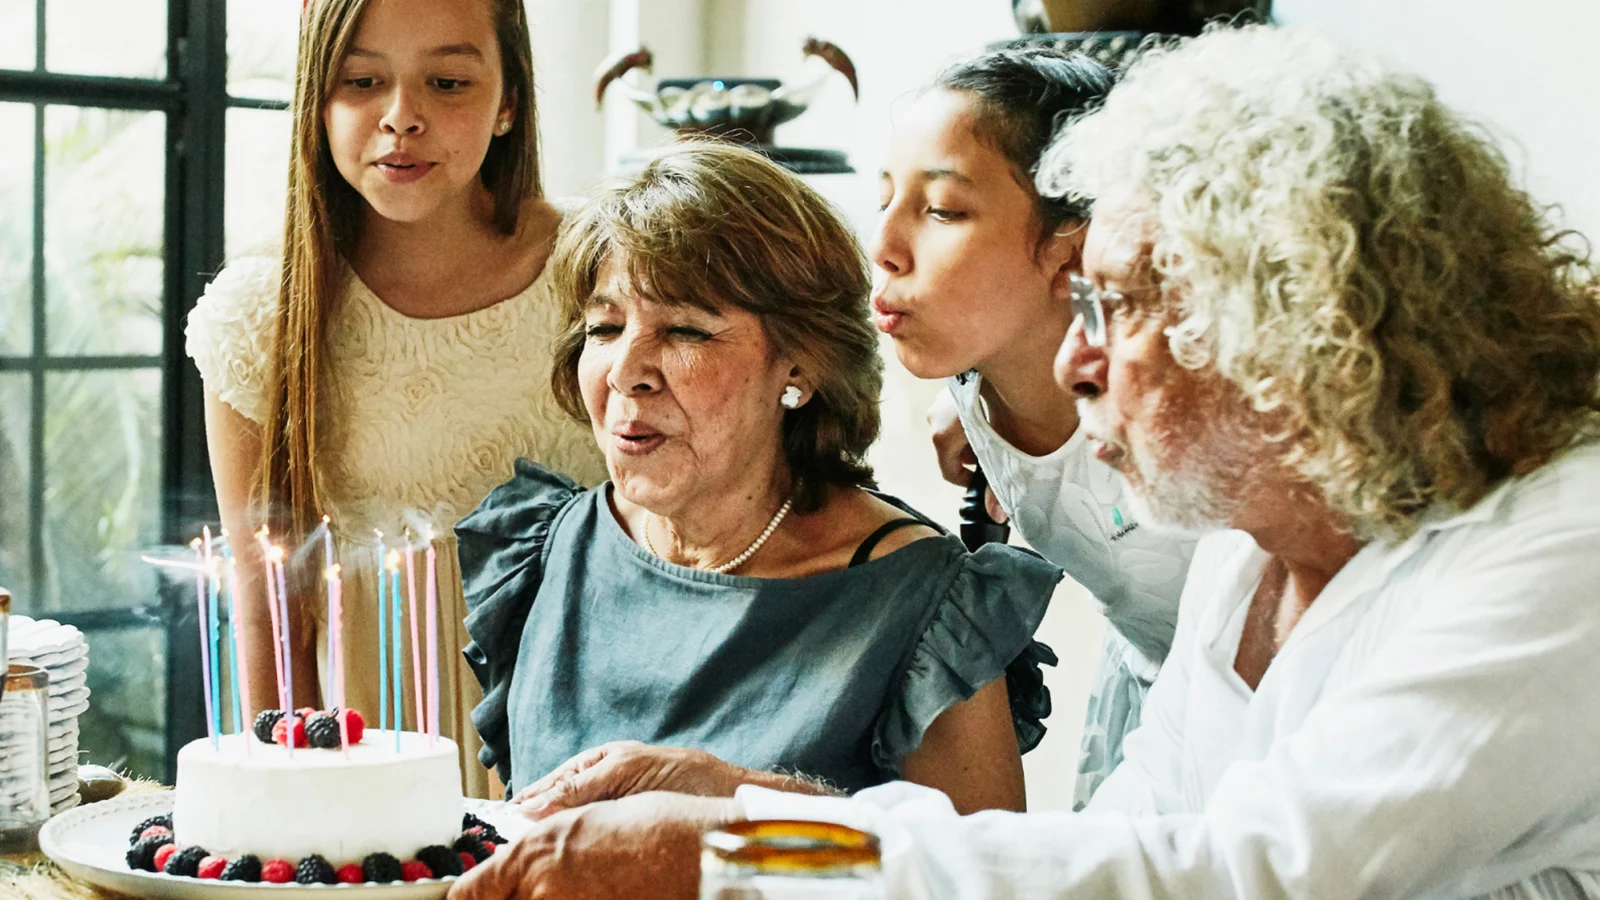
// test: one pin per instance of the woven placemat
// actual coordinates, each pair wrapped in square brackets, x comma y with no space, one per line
[33,877]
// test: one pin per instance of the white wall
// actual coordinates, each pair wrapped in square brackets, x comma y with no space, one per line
[1527,69]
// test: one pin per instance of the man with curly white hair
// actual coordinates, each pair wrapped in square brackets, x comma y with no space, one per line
[1318,323]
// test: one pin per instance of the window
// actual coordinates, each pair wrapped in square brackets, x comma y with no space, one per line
[145,143]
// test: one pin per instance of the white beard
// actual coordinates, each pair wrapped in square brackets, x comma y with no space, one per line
[1190,491]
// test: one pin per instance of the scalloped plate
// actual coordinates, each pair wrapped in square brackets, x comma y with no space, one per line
[90,843]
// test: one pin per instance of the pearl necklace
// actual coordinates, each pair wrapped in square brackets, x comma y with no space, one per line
[739,560]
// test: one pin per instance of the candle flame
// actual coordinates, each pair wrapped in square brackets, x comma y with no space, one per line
[392,561]
[275,554]
[194,544]
[331,573]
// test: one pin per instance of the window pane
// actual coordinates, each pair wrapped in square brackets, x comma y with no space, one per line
[104,189]
[102,446]
[17,34]
[261,48]
[16,229]
[15,432]
[125,726]
[106,37]
[257,178]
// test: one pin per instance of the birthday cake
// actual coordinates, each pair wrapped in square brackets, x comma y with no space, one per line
[348,805]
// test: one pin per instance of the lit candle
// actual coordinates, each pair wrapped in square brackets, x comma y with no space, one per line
[431,587]
[205,641]
[288,656]
[272,610]
[213,630]
[416,644]
[398,668]
[336,657]
[384,562]
[241,688]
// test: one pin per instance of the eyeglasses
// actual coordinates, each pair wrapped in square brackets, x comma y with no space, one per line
[1089,303]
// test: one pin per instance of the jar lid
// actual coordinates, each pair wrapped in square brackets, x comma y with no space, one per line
[793,847]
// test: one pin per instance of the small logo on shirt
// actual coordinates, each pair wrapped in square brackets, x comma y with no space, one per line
[1123,530]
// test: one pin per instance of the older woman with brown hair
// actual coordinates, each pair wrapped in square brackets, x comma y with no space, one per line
[736,588]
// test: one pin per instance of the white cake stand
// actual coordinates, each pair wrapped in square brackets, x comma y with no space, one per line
[91,844]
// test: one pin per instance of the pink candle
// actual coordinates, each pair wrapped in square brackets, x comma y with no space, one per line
[288,658]
[272,608]
[431,586]
[336,659]
[416,645]
[205,643]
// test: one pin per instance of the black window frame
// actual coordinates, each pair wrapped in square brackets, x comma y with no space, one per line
[195,99]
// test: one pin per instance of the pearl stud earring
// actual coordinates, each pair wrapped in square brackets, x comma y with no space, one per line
[503,127]
[791,397]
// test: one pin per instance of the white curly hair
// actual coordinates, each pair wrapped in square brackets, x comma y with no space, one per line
[1355,258]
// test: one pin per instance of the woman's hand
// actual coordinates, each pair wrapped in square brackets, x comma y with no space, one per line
[644,846]
[621,768]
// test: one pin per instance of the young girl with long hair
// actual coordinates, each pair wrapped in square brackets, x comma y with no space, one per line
[386,366]
[974,273]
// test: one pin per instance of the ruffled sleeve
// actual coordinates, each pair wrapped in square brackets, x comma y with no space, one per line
[230,333]
[981,630]
[501,547]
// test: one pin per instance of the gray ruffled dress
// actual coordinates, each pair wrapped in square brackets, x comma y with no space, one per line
[580,636]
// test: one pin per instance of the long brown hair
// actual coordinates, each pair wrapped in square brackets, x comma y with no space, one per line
[322,223]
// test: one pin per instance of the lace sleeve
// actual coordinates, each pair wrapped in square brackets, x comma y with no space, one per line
[230,333]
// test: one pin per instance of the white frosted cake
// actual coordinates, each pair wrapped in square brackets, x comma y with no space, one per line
[265,804]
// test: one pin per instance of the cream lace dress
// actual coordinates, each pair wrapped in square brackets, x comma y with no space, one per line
[423,418]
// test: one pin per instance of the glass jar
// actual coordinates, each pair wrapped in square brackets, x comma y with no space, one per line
[24,729]
[790,860]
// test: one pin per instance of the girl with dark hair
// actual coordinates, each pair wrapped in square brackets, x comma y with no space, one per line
[975,270]
[388,363]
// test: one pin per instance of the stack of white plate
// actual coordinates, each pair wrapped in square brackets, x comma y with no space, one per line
[63,653]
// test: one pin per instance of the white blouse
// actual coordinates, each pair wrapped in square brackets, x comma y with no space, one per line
[1431,728]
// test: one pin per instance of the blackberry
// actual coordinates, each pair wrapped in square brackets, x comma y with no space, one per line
[381,867]
[315,870]
[471,846]
[142,855]
[468,820]
[264,723]
[440,860]
[186,862]
[246,868]
[322,730]
[164,821]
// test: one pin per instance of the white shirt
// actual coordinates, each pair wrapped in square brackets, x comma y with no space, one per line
[1075,512]
[1431,728]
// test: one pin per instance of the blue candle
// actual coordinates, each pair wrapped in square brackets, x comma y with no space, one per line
[288,663]
[214,637]
[234,641]
[205,642]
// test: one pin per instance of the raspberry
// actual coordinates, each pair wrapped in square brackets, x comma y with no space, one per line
[467,862]
[315,870]
[381,867]
[211,867]
[142,854]
[352,874]
[441,861]
[471,846]
[153,831]
[490,846]
[299,732]
[246,868]
[355,724]
[264,724]
[322,731]
[152,822]
[414,870]
[186,862]
[277,871]
[163,856]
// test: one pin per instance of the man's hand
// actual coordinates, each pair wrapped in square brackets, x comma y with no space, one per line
[642,846]
[622,768]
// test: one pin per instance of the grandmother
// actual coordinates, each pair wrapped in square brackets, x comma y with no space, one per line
[736,588]
[1326,330]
